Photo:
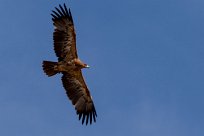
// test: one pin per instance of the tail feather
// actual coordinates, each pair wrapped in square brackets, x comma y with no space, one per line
[49,68]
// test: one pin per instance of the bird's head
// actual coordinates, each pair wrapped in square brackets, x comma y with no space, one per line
[80,64]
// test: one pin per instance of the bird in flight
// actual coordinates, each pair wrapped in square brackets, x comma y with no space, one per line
[69,65]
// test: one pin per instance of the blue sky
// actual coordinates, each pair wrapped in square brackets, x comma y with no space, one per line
[146,75]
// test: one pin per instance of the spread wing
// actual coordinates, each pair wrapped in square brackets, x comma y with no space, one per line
[79,94]
[64,34]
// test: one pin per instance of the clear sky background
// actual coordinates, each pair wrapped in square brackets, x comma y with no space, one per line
[146,75]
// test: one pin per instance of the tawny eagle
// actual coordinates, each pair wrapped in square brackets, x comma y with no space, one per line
[70,65]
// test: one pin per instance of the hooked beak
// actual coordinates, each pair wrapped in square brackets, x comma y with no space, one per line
[87,66]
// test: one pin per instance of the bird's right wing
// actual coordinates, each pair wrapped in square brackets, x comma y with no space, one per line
[64,34]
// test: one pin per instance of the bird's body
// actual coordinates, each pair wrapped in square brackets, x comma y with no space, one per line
[69,65]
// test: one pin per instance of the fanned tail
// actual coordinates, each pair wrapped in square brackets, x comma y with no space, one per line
[49,68]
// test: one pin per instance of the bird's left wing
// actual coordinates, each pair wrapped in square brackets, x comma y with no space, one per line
[79,94]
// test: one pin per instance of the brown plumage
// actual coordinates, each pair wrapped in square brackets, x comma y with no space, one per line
[70,65]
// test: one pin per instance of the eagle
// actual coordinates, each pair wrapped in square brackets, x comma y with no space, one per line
[69,65]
